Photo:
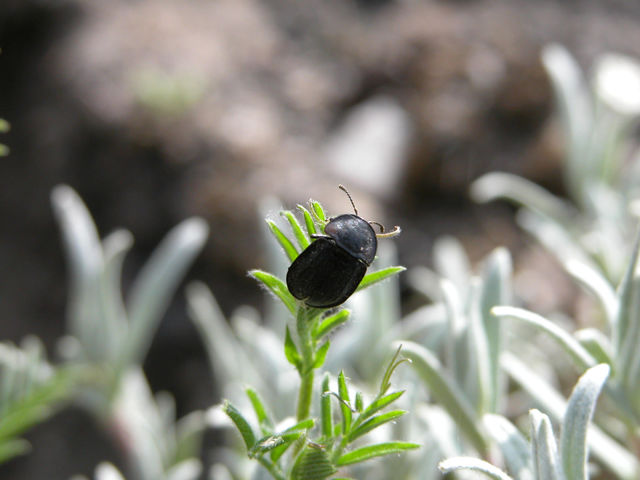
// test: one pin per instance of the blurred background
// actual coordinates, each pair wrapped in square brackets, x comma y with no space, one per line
[157,110]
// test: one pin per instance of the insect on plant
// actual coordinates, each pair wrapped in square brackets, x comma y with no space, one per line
[330,269]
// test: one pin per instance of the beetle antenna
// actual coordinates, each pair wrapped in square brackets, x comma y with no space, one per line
[343,188]
[380,226]
[396,231]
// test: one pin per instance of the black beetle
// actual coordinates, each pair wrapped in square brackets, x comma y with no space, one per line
[329,270]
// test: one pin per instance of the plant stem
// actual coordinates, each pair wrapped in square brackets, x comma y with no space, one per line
[304,323]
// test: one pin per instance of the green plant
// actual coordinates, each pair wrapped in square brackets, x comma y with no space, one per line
[108,338]
[298,451]
[542,459]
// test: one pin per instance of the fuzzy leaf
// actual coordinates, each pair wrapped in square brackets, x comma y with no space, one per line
[514,447]
[156,284]
[326,419]
[321,355]
[581,357]
[283,240]
[291,351]
[378,276]
[544,449]
[580,409]
[445,392]
[374,422]
[379,404]
[266,424]
[241,424]
[592,280]
[377,450]
[296,228]
[495,290]
[469,463]
[277,287]
[308,221]
[318,211]
[329,323]
[343,393]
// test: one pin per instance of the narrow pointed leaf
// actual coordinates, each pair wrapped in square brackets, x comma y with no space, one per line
[264,420]
[291,351]
[308,220]
[12,448]
[379,404]
[371,451]
[375,422]
[277,287]
[296,228]
[321,355]
[378,276]
[326,418]
[475,464]
[329,323]
[514,447]
[595,282]
[580,356]
[544,450]
[288,247]
[241,424]
[446,393]
[156,284]
[318,211]
[343,393]
[580,409]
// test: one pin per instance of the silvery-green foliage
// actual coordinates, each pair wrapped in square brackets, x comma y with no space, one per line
[30,391]
[543,458]
[462,372]
[109,338]
[597,117]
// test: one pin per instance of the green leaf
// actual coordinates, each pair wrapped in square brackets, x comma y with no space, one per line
[475,464]
[446,393]
[12,448]
[496,290]
[318,211]
[580,356]
[301,237]
[515,449]
[291,351]
[610,453]
[264,420]
[544,450]
[321,355]
[312,463]
[343,393]
[377,450]
[329,323]
[326,418]
[596,343]
[379,404]
[308,221]
[378,276]
[374,422]
[283,240]
[156,284]
[241,424]
[492,186]
[580,409]
[596,283]
[359,404]
[277,287]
